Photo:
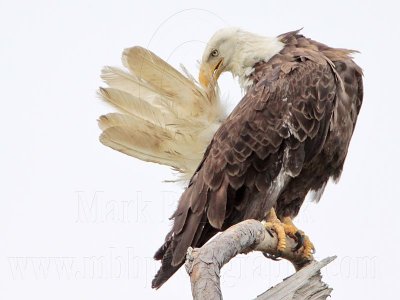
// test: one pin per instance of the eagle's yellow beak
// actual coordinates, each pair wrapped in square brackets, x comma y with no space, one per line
[210,72]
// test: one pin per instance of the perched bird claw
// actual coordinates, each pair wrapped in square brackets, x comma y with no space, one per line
[286,228]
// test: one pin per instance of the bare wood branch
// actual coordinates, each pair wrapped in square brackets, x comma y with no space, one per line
[304,284]
[204,264]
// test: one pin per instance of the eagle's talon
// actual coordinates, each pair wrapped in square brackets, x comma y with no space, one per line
[309,248]
[299,239]
[275,257]
[269,231]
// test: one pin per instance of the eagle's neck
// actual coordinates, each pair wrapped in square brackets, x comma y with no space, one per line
[251,50]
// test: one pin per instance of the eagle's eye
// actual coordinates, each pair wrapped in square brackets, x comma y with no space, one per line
[214,53]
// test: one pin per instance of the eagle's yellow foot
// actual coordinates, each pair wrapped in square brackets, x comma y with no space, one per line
[303,241]
[273,223]
[287,228]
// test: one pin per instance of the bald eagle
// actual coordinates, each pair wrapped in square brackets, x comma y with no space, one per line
[287,136]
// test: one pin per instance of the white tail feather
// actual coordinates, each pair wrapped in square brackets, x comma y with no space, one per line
[164,117]
[129,103]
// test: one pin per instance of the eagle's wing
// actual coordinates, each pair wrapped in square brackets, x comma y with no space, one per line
[279,125]
[163,116]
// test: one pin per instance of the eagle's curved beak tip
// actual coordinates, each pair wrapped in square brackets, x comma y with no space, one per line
[207,73]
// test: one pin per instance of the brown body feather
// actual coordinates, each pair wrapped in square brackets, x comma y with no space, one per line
[288,135]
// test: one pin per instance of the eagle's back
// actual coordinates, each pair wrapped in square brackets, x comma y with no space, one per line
[348,100]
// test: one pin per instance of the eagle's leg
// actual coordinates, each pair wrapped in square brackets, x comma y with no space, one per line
[285,227]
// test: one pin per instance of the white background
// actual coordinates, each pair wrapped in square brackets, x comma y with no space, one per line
[81,221]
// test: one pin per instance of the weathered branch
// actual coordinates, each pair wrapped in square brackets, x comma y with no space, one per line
[304,284]
[204,264]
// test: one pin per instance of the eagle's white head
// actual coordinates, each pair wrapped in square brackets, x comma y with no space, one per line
[236,51]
